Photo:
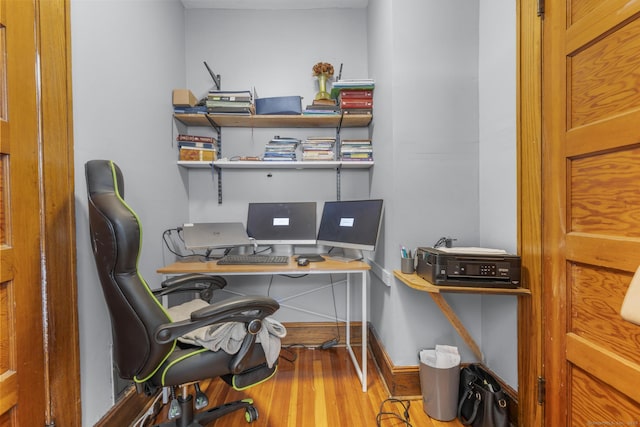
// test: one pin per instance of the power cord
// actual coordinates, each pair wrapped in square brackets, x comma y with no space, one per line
[151,413]
[404,417]
[334,341]
[444,241]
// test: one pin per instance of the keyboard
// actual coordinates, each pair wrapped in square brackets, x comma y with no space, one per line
[253,259]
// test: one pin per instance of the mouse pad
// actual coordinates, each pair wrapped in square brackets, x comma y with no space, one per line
[311,257]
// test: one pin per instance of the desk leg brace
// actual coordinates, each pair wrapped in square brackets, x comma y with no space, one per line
[361,371]
[457,324]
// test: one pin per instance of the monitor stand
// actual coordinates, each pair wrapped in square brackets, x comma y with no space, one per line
[281,249]
[347,255]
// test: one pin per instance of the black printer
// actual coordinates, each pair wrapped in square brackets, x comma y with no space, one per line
[468,267]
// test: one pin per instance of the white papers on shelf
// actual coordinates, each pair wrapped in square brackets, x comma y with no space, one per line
[473,250]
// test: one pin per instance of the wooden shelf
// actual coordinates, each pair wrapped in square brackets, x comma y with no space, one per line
[435,292]
[416,282]
[275,121]
[245,164]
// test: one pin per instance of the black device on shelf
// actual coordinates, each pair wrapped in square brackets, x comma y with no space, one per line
[352,225]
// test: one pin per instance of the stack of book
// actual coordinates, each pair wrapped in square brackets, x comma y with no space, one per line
[322,106]
[196,109]
[356,150]
[281,149]
[354,96]
[318,148]
[196,148]
[230,102]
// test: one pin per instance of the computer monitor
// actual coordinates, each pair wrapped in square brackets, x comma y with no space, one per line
[351,225]
[282,225]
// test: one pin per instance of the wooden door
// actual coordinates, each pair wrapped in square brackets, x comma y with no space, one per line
[591,210]
[22,367]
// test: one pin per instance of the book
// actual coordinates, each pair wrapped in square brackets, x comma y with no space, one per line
[195,138]
[231,110]
[356,93]
[232,98]
[230,94]
[213,103]
[361,103]
[198,145]
[203,152]
[356,150]
[198,109]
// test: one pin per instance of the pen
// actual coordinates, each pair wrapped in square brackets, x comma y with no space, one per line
[403,252]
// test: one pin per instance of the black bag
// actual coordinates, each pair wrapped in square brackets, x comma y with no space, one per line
[481,400]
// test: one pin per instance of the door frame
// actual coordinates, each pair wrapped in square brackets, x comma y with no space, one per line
[529,160]
[57,201]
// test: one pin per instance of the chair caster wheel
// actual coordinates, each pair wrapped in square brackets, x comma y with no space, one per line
[251,414]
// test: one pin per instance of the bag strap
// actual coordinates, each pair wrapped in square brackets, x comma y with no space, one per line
[474,413]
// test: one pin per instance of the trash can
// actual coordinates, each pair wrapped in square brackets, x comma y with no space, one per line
[439,387]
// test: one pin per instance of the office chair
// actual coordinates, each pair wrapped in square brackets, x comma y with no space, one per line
[145,340]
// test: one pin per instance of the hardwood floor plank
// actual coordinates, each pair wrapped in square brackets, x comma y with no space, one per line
[319,388]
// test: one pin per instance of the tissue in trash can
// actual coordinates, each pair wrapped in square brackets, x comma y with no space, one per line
[443,357]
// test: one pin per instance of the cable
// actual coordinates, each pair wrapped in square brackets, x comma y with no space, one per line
[328,344]
[151,412]
[404,417]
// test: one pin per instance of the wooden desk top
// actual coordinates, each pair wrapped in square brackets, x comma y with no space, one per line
[211,267]
[416,282]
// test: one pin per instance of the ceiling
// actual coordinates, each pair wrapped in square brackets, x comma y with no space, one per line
[273,4]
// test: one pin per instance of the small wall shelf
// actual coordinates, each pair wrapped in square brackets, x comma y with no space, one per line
[435,292]
[275,121]
[245,164]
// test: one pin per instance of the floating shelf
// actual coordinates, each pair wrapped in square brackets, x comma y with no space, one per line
[275,121]
[244,164]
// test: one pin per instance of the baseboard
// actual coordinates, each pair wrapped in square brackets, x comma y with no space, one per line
[313,334]
[403,382]
[126,410]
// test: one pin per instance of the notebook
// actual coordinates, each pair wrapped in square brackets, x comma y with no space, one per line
[207,235]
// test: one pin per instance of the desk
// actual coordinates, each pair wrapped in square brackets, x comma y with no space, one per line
[435,291]
[326,267]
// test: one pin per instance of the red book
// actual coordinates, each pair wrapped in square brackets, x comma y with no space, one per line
[348,103]
[356,93]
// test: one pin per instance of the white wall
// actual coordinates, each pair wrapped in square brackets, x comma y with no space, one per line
[498,194]
[274,52]
[430,178]
[127,56]
[452,143]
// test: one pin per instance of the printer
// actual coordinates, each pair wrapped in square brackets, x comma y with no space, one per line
[477,267]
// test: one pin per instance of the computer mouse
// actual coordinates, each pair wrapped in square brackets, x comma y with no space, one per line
[302,262]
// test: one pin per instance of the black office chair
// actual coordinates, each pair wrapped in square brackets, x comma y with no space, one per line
[145,343]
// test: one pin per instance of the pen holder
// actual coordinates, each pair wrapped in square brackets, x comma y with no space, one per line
[407,265]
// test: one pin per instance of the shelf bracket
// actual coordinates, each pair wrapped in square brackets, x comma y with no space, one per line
[338,182]
[215,170]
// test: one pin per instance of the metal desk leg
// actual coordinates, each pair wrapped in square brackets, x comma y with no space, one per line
[362,372]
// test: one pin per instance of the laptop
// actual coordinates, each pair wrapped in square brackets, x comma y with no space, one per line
[208,235]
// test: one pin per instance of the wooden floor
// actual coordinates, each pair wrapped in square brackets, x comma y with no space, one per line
[319,388]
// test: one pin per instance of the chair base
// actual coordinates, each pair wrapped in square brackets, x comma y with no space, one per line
[201,419]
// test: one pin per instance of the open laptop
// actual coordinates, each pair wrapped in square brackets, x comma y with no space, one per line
[209,235]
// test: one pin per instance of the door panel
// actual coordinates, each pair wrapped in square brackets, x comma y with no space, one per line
[22,396]
[591,210]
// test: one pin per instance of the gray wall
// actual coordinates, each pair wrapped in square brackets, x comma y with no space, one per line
[437,130]
[127,57]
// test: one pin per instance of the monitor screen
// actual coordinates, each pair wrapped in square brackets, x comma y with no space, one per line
[351,224]
[282,223]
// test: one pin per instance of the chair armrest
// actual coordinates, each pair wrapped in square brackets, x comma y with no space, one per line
[193,282]
[245,309]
